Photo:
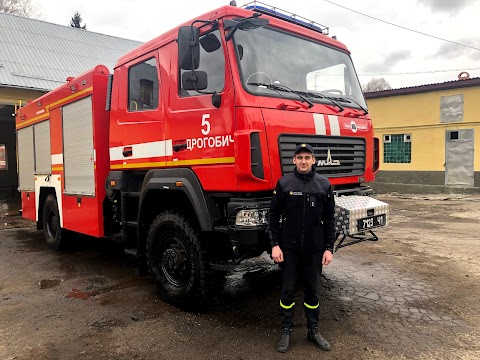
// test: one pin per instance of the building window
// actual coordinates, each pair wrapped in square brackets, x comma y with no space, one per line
[397,148]
[146,92]
[453,135]
[3,157]
[143,86]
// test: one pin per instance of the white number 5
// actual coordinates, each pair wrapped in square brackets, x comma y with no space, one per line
[205,123]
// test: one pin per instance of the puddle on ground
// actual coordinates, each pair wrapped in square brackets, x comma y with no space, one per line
[85,295]
[10,206]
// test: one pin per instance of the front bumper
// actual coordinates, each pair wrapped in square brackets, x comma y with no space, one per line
[354,214]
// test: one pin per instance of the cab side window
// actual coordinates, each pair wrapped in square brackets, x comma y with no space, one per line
[143,86]
[212,61]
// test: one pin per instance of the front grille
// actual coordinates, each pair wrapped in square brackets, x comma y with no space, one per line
[347,154]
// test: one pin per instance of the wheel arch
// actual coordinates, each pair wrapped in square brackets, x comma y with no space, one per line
[167,189]
[42,196]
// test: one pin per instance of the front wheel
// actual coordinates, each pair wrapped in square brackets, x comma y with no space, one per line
[53,232]
[177,263]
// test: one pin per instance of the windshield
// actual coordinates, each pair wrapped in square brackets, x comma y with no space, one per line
[271,57]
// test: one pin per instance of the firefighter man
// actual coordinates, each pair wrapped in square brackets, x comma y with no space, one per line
[302,235]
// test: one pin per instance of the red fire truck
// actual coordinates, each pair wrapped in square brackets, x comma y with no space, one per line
[180,148]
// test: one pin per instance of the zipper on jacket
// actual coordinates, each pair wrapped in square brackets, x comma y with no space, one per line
[303,219]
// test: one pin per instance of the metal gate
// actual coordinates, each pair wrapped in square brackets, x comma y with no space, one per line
[459,157]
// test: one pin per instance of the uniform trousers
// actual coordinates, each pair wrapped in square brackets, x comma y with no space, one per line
[300,269]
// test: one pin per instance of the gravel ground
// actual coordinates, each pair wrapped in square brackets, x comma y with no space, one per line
[414,294]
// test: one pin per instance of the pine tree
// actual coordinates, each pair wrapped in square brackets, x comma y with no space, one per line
[76,21]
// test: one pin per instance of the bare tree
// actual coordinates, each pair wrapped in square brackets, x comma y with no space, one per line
[376,84]
[24,8]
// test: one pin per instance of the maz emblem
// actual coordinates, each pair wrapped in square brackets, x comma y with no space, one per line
[329,161]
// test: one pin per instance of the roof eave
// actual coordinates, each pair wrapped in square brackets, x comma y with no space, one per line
[424,88]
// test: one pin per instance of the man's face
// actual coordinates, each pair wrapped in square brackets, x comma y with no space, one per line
[304,160]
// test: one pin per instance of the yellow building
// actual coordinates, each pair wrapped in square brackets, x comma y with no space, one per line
[427,137]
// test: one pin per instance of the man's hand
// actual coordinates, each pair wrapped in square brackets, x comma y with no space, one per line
[327,257]
[277,254]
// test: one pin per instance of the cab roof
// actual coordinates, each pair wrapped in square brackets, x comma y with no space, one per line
[219,13]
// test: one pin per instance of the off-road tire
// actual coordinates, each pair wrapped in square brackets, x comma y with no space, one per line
[54,234]
[177,263]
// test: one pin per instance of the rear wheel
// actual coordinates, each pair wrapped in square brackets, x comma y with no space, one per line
[53,232]
[177,263]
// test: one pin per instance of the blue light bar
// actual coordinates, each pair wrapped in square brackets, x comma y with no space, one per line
[287,16]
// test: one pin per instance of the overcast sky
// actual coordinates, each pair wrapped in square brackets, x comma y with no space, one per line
[402,57]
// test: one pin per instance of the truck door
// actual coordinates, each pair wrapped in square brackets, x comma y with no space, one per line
[138,137]
[201,133]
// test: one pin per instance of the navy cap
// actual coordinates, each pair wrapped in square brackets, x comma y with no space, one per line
[303,147]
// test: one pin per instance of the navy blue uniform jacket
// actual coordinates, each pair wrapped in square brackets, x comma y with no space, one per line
[306,206]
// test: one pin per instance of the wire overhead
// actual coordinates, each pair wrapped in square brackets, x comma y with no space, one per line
[401,27]
[420,72]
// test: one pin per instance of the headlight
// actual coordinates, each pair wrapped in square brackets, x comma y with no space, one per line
[251,217]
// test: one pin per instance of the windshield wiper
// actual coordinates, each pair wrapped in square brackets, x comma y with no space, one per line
[321,96]
[286,89]
[348,99]
[360,106]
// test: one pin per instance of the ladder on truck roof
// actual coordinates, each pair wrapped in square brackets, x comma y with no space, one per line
[286,15]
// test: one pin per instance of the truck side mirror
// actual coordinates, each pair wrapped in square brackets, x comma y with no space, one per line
[188,48]
[194,80]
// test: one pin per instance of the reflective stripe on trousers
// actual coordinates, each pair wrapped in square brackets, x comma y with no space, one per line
[286,306]
[311,306]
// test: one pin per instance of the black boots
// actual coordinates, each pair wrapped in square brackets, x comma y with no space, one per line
[317,339]
[284,342]
[312,335]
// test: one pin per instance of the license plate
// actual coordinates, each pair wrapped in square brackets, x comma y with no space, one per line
[371,222]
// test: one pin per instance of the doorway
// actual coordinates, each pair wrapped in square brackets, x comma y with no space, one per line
[8,150]
[459,158]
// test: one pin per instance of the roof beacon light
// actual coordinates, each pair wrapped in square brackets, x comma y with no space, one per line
[285,15]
